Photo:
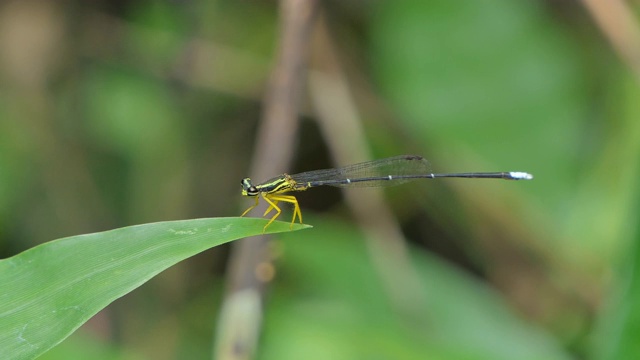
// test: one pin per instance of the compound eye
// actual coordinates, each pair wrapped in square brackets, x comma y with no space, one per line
[248,188]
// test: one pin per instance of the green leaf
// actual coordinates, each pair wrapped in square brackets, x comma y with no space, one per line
[49,291]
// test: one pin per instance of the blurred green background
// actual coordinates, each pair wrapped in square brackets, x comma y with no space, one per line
[115,113]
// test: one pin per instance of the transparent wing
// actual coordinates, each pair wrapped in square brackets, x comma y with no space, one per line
[367,174]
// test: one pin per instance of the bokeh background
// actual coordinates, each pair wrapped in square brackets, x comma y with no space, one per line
[115,113]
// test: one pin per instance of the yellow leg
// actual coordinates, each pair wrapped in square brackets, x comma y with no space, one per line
[270,208]
[296,208]
[292,200]
[250,208]
[273,200]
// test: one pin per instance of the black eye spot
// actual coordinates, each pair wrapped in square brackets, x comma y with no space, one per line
[252,191]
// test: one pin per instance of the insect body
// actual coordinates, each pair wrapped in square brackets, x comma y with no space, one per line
[383,172]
